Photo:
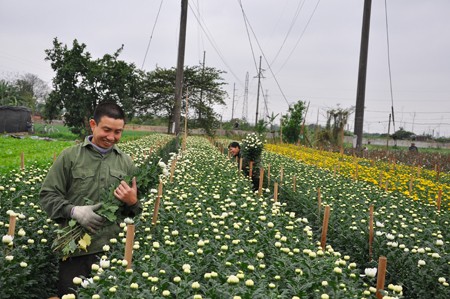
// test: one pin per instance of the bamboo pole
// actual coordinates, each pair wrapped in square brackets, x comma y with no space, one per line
[185,122]
[439,199]
[281,175]
[275,191]
[382,262]
[438,171]
[326,218]
[319,201]
[172,169]
[12,225]
[158,199]
[129,244]
[261,180]
[281,128]
[380,179]
[370,231]
[410,184]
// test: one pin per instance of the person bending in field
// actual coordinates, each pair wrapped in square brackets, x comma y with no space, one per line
[84,171]
[236,155]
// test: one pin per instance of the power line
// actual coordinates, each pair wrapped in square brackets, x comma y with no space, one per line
[213,44]
[300,37]
[297,13]
[265,58]
[151,35]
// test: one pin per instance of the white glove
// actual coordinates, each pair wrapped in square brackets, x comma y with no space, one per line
[86,216]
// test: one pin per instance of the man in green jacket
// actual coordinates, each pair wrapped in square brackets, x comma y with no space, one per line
[83,172]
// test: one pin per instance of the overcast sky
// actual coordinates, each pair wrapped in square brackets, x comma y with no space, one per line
[310,50]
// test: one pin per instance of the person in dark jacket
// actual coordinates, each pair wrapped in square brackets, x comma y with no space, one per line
[82,172]
[236,155]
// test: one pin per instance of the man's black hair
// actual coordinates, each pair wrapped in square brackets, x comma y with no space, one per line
[109,109]
[234,144]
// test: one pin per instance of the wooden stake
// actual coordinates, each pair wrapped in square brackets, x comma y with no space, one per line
[319,201]
[240,164]
[439,199]
[380,179]
[12,225]
[356,172]
[250,173]
[158,199]
[410,185]
[381,276]
[370,231]
[326,218]
[281,175]
[129,244]
[294,183]
[387,186]
[275,191]
[261,180]
[22,161]
[281,128]
[172,169]
[54,156]
[438,171]
[185,122]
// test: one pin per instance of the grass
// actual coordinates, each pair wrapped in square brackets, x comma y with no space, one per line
[35,151]
[40,151]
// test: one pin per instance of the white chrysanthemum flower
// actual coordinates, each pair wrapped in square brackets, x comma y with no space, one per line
[370,272]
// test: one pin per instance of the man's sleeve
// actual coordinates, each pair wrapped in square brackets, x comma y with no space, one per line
[53,191]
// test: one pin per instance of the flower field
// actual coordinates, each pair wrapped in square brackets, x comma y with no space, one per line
[412,234]
[215,238]
[415,182]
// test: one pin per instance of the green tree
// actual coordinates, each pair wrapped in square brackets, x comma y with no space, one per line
[82,82]
[202,86]
[333,134]
[291,122]
[9,94]
[401,134]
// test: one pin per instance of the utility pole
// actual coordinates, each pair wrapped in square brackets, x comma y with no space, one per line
[201,89]
[259,87]
[245,102]
[180,68]
[232,103]
[389,132]
[361,90]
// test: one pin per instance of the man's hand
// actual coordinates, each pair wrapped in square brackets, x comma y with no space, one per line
[127,194]
[86,216]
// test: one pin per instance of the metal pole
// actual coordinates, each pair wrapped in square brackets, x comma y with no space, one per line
[259,87]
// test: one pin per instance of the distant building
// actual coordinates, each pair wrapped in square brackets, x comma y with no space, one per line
[14,119]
